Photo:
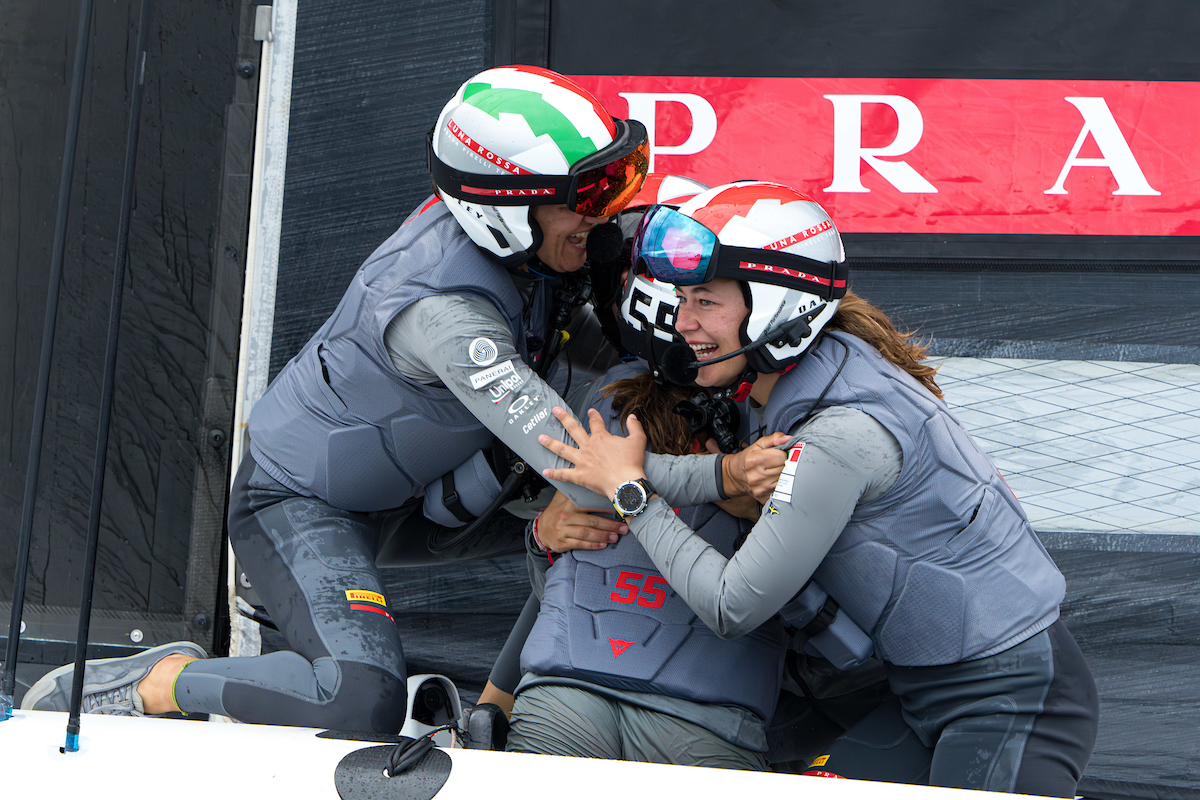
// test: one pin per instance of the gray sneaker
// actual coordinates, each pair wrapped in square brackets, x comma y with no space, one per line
[108,683]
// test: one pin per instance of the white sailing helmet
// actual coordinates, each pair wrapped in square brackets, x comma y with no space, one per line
[778,242]
[518,136]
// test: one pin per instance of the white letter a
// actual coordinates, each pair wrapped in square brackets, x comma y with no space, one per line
[1099,122]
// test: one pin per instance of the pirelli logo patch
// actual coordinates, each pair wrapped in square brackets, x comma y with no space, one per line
[783,489]
[363,600]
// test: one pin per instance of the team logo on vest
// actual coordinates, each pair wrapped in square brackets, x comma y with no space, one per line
[363,600]
[619,646]
[538,417]
[783,489]
[521,405]
[504,387]
[483,351]
[484,377]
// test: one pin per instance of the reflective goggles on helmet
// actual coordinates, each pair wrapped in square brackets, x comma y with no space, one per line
[679,250]
[599,185]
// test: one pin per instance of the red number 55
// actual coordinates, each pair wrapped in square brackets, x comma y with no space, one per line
[647,596]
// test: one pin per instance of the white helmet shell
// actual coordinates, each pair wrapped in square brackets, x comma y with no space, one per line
[516,120]
[647,318]
[768,216]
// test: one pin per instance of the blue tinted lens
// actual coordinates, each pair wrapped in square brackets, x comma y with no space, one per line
[676,248]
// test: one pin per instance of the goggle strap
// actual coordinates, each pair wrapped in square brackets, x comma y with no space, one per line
[525,190]
[828,279]
[499,190]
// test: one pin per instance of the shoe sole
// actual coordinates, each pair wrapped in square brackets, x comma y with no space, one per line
[49,682]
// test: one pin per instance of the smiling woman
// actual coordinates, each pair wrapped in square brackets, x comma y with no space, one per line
[397,391]
[709,318]
[885,499]
[564,237]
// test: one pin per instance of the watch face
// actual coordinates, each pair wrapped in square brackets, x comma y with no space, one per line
[630,497]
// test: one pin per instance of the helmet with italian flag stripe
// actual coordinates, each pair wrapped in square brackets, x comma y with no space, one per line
[506,131]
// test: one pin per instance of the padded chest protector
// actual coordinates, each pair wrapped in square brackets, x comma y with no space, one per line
[609,617]
[944,566]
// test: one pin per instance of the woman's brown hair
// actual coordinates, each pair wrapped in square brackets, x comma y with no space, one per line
[861,318]
[654,406]
[667,432]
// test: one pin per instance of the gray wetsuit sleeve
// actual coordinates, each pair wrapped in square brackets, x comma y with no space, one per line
[848,457]
[430,342]
[686,480]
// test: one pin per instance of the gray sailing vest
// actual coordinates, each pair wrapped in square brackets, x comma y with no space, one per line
[608,617]
[943,567]
[339,421]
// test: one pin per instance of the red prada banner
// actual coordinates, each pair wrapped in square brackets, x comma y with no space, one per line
[938,156]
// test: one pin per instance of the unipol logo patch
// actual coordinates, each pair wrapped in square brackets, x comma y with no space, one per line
[619,646]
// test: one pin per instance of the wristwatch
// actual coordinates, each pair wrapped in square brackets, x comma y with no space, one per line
[632,497]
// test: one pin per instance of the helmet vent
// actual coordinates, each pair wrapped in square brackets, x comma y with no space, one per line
[500,240]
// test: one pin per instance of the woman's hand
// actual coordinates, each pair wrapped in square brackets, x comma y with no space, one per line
[602,461]
[755,470]
[564,526]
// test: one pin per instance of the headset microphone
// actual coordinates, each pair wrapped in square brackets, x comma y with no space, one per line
[679,364]
[604,243]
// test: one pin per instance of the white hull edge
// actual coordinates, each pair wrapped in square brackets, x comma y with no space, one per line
[180,759]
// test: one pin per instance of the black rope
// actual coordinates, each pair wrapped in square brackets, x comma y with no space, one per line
[409,753]
[110,370]
[33,464]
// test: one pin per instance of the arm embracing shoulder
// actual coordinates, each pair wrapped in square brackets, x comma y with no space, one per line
[734,596]
[431,341]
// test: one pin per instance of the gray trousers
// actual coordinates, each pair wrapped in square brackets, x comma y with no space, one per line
[1020,721]
[314,568]
[569,721]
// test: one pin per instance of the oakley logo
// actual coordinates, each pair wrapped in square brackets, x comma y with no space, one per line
[520,404]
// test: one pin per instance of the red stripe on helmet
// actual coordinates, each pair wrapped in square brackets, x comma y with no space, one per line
[791,273]
[736,200]
[542,192]
[571,85]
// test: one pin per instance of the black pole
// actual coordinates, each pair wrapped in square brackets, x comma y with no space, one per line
[110,371]
[8,687]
